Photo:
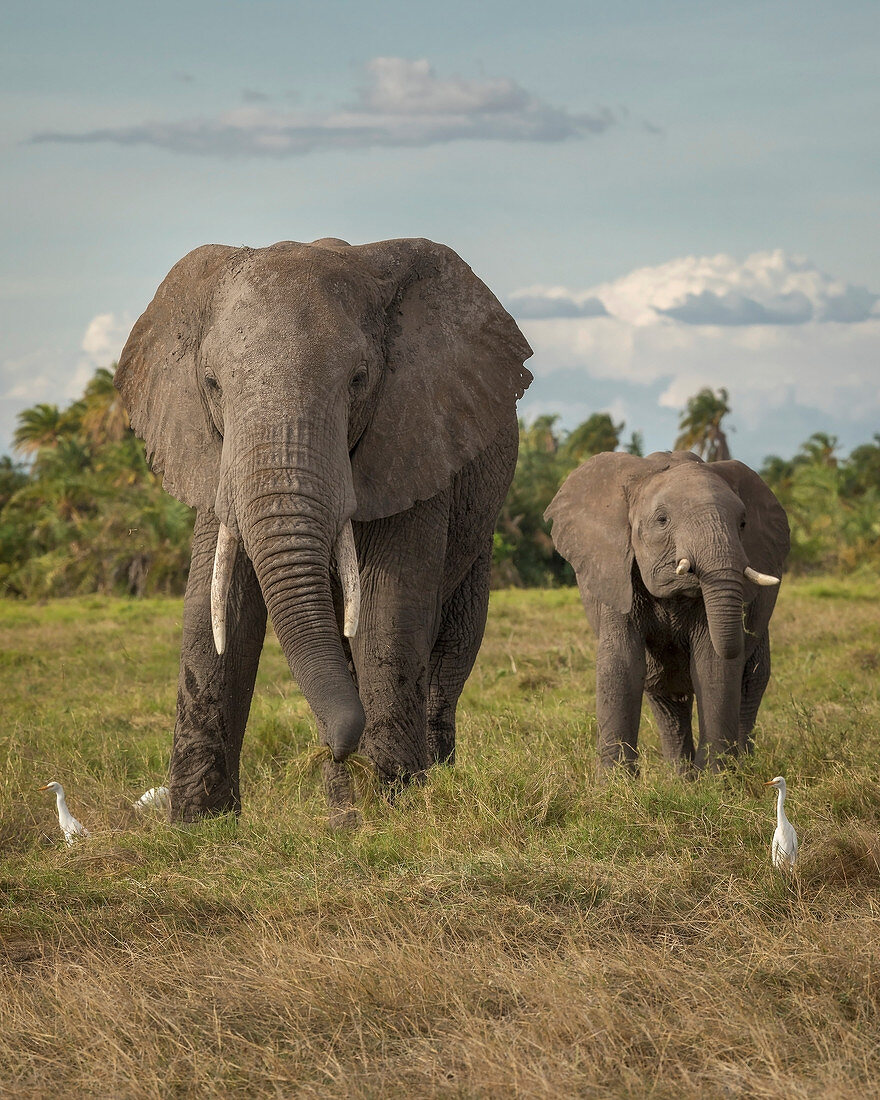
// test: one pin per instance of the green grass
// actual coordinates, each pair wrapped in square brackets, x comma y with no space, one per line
[511,928]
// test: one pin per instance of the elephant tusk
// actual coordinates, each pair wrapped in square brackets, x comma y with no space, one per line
[349,576]
[684,566]
[763,579]
[221,580]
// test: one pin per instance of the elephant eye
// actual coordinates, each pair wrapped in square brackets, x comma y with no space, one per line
[211,382]
[662,519]
[742,524]
[359,378]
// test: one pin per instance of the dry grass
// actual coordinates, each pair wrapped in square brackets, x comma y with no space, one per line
[508,929]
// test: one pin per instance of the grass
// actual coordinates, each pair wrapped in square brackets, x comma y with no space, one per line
[510,928]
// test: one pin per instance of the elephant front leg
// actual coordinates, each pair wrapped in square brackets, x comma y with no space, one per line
[756,676]
[717,685]
[214,692]
[401,565]
[620,683]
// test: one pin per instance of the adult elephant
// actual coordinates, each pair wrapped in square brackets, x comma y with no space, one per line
[678,563]
[343,419]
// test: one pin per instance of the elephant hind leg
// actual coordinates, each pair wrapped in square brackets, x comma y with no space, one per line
[756,676]
[674,714]
[462,622]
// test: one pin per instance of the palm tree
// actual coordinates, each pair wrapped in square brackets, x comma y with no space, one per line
[38,427]
[597,433]
[700,425]
[863,468]
[636,445]
[104,419]
[540,436]
[819,450]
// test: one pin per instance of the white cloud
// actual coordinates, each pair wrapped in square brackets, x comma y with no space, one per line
[103,339]
[765,288]
[402,103]
[399,86]
[555,301]
[774,330]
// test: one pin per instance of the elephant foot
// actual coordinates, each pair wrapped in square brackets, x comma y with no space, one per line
[187,808]
[342,811]
[627,765]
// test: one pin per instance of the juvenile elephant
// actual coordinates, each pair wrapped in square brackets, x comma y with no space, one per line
[343,418]
[678,563]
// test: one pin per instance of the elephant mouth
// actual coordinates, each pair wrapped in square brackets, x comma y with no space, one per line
[764,580]
[344,552]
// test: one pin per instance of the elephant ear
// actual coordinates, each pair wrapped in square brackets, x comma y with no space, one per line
[766,539]
[591,528]
[159,381]
[454,372]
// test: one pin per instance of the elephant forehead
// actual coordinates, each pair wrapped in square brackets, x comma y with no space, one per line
[317,280]
[292,316]
[687,486]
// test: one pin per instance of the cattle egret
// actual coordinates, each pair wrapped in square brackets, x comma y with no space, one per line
[71,828]
[785,844]
[156,798]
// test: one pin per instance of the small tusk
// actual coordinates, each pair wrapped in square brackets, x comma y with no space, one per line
[684,566]
[763,579]
[350,578]
[224,561]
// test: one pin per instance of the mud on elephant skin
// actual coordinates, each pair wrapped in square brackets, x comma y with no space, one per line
[343,419]
[678,564]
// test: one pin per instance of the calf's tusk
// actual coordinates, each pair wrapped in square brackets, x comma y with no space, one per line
[221,579]
[763,579]
[350,578]
[684,566]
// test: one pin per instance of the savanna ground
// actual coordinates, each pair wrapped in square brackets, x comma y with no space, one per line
[510,928]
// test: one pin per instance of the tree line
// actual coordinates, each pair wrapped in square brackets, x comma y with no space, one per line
[80,510]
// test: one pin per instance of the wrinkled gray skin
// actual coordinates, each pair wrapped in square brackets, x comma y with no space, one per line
[282,391]
[625,523]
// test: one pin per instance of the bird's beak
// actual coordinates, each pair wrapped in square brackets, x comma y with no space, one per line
[43,788]
[768,783]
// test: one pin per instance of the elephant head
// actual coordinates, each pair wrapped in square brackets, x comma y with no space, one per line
[693,528]
[294,388]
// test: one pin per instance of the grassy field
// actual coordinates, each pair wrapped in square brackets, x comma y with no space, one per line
[511,928]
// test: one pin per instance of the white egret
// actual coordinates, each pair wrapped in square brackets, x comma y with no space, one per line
[71,828]
[785,843]
[156,798]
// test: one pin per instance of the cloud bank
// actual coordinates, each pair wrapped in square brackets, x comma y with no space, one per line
[401,103]
[788,341]
[767,288]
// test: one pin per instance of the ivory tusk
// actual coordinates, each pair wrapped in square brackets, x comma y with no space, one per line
[684,566]
[763,579]
[350,578]
[224,562]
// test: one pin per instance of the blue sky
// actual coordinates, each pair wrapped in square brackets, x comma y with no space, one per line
[666,195]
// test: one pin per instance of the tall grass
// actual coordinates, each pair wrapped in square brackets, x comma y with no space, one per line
[510,928]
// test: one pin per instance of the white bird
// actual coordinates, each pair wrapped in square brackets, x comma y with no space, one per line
[156,798]
[71,828]
[784,849]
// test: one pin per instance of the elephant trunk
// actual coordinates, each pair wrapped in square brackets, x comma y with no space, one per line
[723,598]
[292,523]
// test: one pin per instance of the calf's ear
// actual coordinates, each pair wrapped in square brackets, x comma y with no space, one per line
[766,538]
[591,528]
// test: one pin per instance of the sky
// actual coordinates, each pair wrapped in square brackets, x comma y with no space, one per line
[665,195]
